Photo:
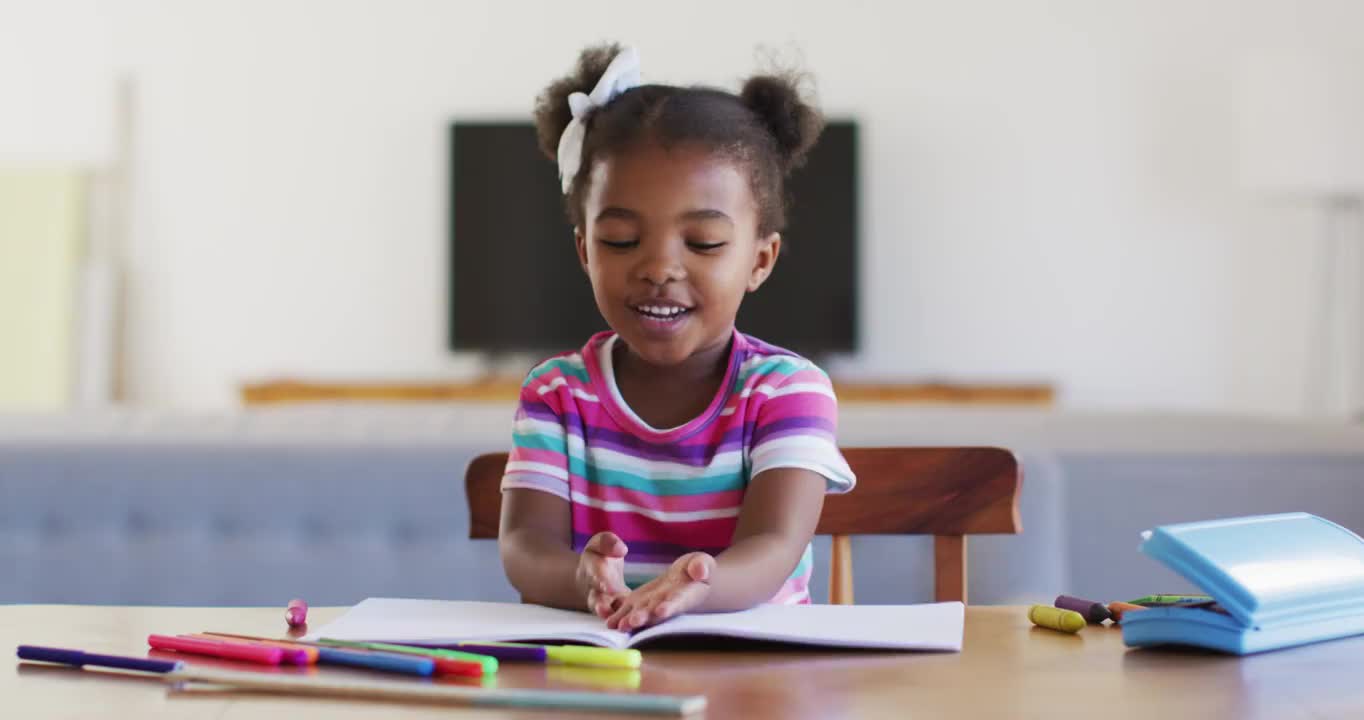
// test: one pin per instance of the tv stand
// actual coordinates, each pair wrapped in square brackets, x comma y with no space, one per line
[501,388]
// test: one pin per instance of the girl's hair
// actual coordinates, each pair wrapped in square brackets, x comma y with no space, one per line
[767,128]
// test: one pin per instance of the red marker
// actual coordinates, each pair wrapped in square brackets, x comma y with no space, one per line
[230,651]
[296,614]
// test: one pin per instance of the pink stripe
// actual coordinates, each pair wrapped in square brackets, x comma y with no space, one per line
[717,532]
[594,416]
[548,457]
[552,400]
[805,404]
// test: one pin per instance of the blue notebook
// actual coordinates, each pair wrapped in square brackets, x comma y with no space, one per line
[1277,581]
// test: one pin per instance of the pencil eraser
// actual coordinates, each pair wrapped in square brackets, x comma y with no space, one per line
[296,613]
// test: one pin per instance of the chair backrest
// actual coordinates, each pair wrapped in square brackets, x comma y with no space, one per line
[947,492]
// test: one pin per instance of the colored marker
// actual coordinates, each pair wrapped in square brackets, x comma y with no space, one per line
[218,648]
[485,663]
[1056,618]
[80,658]
[290,655]
[509,653]
[1118,609]
[1150,600]
[1094,612]
[387,662]
[308,651]
[586,655]
[327,655]
[440,665]
[296,613]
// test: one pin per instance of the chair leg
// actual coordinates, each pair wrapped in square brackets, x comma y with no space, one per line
[840,571]
[949,567]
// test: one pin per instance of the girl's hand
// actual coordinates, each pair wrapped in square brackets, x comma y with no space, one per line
[684,586]
[601,573]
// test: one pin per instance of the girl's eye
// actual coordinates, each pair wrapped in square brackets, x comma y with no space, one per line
[704,246]
[620,244]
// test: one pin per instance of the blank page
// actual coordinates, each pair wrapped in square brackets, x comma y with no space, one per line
[936,626]
[436,622]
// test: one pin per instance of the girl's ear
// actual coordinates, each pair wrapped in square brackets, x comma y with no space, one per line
[580,242]
[768,249]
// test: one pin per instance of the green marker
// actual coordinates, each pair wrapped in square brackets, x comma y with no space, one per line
[489,663]
[1171,599]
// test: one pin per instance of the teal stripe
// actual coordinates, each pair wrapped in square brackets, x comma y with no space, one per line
[778,365]
[735,479]
[660,486]
[807,561]
[571,366]
[539,441]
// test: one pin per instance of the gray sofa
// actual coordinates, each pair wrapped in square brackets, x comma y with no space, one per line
[337,503]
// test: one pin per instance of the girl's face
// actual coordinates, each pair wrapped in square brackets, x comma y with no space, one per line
[671,245]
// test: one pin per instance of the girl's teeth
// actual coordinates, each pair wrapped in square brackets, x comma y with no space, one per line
[661,311]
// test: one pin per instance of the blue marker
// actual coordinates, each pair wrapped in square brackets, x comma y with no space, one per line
[79,658]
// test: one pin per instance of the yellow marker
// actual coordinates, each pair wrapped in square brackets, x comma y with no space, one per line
[594,656]
[583,655]
[1056,618]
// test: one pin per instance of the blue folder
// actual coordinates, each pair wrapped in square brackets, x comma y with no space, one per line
[1277,581]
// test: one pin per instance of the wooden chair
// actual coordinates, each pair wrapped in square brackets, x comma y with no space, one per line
[948,493]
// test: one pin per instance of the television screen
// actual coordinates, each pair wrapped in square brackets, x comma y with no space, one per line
[515,284]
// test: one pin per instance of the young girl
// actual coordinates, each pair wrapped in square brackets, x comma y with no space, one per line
[673,464]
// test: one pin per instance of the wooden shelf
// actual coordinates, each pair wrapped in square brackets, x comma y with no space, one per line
[277,392]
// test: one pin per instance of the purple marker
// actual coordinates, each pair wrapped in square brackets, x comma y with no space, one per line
[510,653]
[79,658]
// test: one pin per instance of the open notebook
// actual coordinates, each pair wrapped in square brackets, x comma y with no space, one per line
[936,626]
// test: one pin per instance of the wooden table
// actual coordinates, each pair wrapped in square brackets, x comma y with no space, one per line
[1007,669]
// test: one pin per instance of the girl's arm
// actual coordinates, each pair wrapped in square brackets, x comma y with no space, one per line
[778,517]
[534,541]
[780,511]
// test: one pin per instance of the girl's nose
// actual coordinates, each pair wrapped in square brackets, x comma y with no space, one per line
[661,267]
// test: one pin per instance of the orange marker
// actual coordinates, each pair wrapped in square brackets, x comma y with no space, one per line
[309,654]
[1118,608]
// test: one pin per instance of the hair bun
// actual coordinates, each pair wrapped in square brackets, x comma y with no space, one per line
[552,113]
[794,123]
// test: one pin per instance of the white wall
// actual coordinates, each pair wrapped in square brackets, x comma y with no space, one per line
[1050,191]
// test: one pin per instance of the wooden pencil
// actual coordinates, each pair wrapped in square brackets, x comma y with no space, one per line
[339,687]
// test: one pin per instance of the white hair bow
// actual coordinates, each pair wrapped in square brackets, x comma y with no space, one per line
[621,75]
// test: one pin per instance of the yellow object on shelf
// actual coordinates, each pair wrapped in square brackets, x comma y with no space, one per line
[42,230]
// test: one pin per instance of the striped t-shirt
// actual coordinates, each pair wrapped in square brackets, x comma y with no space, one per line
[670,492]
